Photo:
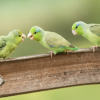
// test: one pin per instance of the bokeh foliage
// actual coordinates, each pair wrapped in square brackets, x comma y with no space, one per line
[51,15]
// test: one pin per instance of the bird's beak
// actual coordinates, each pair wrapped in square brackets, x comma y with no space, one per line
[30,35]
[23,36]
[74,32]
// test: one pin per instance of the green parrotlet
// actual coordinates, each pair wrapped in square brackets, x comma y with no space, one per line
[89,31]
[10,42]
[50,40]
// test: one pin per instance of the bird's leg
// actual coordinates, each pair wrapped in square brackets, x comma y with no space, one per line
[94,47]
[67,52]
[51,53]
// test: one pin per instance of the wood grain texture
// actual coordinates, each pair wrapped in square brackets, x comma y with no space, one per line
[40,72]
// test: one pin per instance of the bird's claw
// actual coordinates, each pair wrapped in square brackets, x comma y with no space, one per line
[66,52]
[94,47]
[51,53]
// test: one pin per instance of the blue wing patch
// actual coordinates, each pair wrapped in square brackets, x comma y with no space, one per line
[51,46]
[54,46]
[62,46]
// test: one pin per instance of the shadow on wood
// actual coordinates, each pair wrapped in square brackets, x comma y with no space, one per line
[40,72]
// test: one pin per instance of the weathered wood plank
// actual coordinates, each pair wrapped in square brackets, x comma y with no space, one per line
[40,72]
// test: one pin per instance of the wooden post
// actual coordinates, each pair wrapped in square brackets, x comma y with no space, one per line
[40,72]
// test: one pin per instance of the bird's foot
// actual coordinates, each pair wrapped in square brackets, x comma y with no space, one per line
[94,47]
[66,52]
[51,53]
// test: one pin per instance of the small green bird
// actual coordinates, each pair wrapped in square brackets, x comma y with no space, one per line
[89,31]
[50,40]
[10,42]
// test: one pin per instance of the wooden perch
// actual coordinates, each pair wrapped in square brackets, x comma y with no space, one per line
[40,72]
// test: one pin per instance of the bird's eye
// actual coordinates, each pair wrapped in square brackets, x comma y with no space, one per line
[35,32]
[19,35]
[76,27]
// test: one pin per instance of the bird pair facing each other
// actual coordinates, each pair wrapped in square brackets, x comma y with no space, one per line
[50,40]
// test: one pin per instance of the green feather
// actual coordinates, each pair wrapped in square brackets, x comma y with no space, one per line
[51,40]
[9,43]
[89,31]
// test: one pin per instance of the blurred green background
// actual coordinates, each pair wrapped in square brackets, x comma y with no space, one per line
[51,15]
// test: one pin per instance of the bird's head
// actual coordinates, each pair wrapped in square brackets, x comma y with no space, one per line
[17,36]
[79,28]
[36,33]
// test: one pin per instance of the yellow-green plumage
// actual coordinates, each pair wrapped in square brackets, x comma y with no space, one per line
[89,31]
[51,40]
[10,42]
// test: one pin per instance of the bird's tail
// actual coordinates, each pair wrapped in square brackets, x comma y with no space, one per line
[71,47]
[75,48]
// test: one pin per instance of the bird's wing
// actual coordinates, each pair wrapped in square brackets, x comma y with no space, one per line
[55,40]
[2,43]
[95,29]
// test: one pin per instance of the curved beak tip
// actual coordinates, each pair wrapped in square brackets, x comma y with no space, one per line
[29,35]
[23,36]
[74,32]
